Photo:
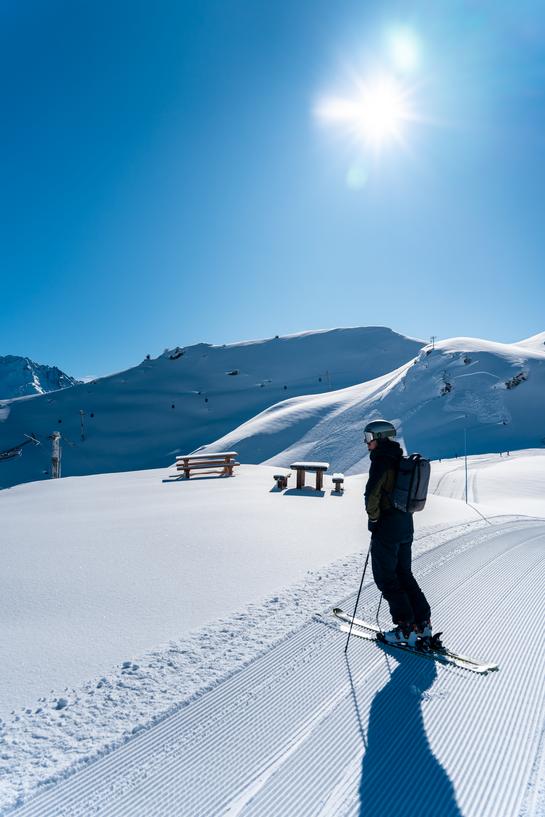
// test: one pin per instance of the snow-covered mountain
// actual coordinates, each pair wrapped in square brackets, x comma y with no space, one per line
[487,395]
[20,376]
[464,390]
[188,397]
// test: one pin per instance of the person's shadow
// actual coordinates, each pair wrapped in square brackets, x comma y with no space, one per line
[400,775]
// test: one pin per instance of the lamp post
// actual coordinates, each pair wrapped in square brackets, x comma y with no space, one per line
[464,418]
[465,451]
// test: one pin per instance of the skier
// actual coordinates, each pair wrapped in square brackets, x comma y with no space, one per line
[391,539]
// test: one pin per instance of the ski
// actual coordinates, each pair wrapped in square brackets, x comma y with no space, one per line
[371,632]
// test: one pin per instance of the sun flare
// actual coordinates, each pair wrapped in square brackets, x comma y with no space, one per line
[375,116]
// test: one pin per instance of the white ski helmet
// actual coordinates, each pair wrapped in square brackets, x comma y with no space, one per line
[378,430]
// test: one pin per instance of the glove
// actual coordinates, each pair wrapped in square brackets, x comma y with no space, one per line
[372,524]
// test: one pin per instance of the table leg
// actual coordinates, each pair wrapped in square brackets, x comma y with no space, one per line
[319,480]
[300,477]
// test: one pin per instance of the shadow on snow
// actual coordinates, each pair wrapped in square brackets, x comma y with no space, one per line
[400,775]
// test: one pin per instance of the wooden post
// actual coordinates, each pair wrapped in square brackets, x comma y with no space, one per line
[300,477]
[319,480]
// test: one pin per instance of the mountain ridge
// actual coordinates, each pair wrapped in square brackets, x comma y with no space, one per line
[188,396]
[460,392]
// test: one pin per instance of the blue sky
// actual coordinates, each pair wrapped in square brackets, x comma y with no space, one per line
[165,180]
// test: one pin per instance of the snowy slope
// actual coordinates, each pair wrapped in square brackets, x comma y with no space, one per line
[21,376]
[304,731]
[126,561]
[123,597]
[495,481]
[187,397]
[492,392]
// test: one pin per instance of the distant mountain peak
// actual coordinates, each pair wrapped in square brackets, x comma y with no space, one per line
[21,376]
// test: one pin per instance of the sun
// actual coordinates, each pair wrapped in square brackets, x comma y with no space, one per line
[376,115]
[382,111]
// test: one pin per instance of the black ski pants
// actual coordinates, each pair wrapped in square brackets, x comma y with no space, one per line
[391,563]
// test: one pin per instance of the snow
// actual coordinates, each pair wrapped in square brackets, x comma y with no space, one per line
[124,562]
[311,466]
[536,342]
[264,740]
[141,592]
[515,480]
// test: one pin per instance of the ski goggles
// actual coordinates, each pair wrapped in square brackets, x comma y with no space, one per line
[368,437]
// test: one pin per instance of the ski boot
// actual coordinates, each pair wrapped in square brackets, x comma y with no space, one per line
[402,634]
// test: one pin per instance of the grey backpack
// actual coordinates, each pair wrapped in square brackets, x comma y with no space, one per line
[411,485]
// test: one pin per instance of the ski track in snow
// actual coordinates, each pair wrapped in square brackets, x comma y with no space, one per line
[303,731]
[63,731]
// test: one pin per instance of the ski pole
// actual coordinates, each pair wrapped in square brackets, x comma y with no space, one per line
[378,611]
[358,598]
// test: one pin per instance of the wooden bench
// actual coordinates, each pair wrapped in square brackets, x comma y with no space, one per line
[318,468]
[338,480]
[282,480]
[224,460]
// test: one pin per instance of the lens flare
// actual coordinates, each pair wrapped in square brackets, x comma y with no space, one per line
[404,50]
[357,176]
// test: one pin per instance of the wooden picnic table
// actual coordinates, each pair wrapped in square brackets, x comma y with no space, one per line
[199,462]
[318,468]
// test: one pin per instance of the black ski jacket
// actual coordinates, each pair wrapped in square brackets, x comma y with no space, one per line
[392,525]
